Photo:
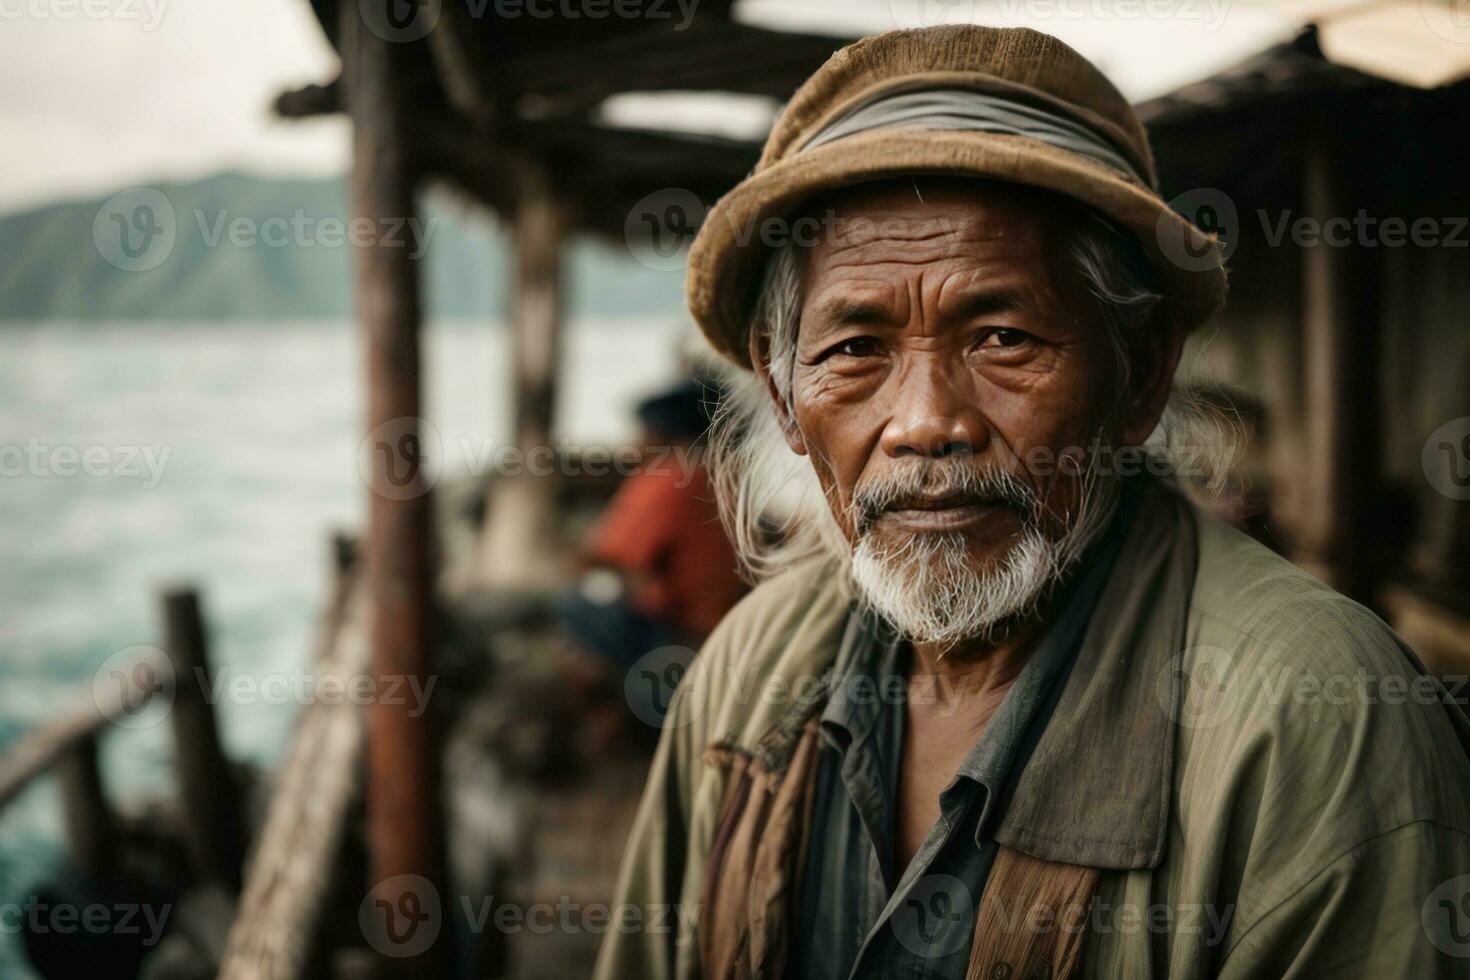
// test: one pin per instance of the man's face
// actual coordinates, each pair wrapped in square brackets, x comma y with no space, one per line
[942,342]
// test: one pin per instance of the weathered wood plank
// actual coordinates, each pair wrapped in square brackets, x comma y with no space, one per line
[290,867]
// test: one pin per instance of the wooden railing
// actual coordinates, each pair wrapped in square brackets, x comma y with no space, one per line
[291,866]
[292,860]
[69,747]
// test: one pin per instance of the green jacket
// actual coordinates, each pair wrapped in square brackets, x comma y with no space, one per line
[1260,772]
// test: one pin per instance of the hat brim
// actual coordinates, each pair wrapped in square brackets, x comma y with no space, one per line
[730,249]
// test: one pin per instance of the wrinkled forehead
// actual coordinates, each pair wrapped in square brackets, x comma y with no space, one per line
[914,219]
[960,230]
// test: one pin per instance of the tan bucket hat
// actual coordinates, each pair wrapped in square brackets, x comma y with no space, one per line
[1008,104]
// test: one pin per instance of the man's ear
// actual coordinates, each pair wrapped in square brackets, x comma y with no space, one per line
[760,359]
[1156,359]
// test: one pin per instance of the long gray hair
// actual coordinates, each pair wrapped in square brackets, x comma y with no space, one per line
[770,500]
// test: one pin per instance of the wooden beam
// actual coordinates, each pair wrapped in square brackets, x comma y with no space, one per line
[405,824]
[459,60]
[37,751]
[712,54]
[210,799]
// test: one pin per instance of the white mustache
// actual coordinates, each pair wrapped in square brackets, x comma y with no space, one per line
[932,481]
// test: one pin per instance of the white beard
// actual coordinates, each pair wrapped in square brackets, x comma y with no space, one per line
[931,590]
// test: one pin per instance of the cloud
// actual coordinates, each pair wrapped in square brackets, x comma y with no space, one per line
[98,103]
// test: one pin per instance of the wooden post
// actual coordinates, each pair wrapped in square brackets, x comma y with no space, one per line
[1340,308]
[207,790]
[405,825]
[520,524]
[91,826]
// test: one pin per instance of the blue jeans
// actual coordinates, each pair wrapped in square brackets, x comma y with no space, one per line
[615,630]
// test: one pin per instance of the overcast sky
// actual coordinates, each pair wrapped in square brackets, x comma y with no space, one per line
[175,89]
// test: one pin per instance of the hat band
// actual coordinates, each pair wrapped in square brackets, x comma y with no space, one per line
[975,111]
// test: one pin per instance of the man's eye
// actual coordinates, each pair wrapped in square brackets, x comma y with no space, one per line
[853,347]
[1005,337]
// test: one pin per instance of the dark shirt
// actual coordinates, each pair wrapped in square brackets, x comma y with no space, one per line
[858,914]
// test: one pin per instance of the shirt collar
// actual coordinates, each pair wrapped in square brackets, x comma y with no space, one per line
[865,678]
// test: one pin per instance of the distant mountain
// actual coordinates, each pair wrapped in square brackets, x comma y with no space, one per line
[243,247]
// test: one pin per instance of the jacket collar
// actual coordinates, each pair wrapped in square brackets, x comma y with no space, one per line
[1096,790]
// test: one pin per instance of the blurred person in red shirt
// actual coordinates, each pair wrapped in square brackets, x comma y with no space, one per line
[660,570]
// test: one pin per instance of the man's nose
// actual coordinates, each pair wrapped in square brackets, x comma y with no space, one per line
[934,416]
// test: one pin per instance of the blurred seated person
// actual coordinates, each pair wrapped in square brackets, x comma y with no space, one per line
[658,569]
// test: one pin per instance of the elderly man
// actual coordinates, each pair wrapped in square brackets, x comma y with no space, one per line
[1005,705]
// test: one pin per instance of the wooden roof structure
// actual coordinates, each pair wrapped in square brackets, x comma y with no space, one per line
[1250,124]
[491,95]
